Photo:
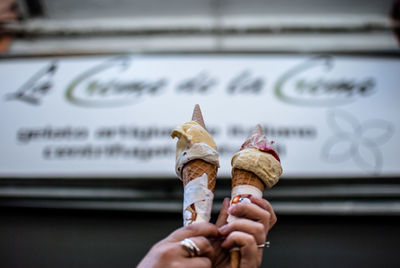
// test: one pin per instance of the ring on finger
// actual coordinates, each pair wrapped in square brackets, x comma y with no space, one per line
[267,244]
[264,245]
[190,247]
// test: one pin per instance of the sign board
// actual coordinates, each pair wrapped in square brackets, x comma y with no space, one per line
[330,116]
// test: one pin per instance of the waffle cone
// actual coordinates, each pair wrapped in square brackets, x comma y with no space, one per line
[196,168]
[235,259]
[243,177]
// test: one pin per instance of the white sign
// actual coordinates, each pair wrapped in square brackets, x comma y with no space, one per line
[330,116]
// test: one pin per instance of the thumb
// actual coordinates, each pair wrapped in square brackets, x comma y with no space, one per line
[223,213]
[196,229]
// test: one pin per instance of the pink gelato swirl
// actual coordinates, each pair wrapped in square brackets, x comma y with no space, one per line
[261,143]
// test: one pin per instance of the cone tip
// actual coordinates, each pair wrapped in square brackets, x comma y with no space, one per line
[256,131]
[258,128]
[198,116]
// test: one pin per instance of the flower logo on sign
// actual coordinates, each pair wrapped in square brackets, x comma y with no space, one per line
[356,141]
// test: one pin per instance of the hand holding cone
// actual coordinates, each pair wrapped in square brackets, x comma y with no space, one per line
[255,167]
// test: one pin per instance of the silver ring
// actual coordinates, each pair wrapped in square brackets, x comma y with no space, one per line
[265,245]
[190,247]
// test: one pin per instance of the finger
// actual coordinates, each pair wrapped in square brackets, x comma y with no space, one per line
[196,262]
[267,206]
[204,245]
[8,16]
[256,229]
[239,239]
[250,255]
[197,229]
[223,214]
[6,5]
[252,212]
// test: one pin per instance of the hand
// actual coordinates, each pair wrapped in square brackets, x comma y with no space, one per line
[256,219]
[7,10]
[170,253]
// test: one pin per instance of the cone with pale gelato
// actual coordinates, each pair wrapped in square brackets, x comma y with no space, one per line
[196,165]
[255,167]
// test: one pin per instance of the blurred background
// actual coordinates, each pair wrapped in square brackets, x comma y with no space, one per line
[91,89]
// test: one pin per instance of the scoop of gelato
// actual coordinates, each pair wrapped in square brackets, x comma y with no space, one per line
[194,142]
[262,164]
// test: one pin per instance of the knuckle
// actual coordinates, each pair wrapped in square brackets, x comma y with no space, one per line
[167,253]
[175,264]
[190,228]
[267,216]
[259,228]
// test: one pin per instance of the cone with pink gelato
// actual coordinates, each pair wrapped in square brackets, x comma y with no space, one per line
[255,167]
[196,165]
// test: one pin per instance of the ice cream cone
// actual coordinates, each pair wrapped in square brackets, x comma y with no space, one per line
[196,165]
[196,168]
[255,155]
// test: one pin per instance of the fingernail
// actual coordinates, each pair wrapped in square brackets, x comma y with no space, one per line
[232,208]
[222,229]
[226,201]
